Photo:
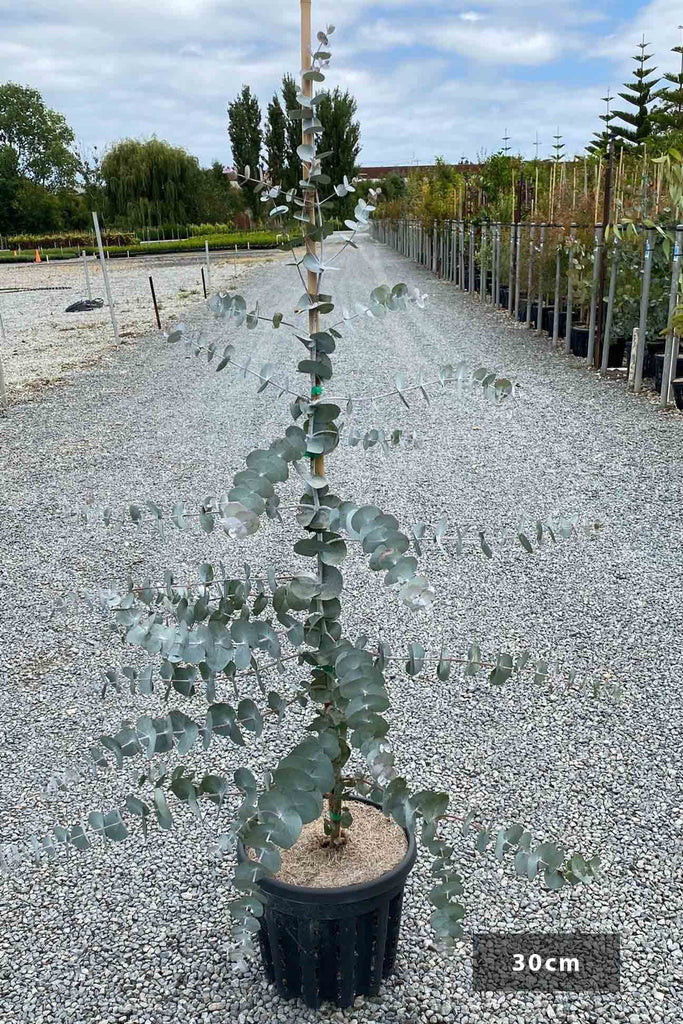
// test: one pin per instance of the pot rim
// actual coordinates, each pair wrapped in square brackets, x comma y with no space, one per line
[344,893]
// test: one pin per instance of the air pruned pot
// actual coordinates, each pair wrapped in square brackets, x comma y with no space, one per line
[228,642]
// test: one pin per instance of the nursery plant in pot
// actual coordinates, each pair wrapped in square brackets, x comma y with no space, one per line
[325,835]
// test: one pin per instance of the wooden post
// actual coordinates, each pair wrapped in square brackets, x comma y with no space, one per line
[203,281]
[105,275]
[154,300]
[318,463]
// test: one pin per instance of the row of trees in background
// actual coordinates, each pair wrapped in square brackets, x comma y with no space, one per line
[272,147]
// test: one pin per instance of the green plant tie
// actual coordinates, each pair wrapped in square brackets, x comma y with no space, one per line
[317,390]
[335,817]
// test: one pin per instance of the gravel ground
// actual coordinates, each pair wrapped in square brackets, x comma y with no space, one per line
[44,346]
[138,933]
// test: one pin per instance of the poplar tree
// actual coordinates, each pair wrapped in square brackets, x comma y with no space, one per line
[291,171]
[638,120]
[246,139]
[341,139]
[275,139]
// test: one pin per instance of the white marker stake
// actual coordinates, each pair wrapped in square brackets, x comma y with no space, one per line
[87,275]
[4,404]
[208,265]
[105,275]
[235,262]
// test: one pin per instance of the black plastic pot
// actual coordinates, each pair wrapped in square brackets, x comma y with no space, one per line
[579,341]
[562,318]
[504,295]
[652,350]
[677,385]
[617,349]
[659,369]
[332,944]
[521,312]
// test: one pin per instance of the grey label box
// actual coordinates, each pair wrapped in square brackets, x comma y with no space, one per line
[561,962]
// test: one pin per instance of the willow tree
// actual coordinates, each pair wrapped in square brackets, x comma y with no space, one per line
[151,183]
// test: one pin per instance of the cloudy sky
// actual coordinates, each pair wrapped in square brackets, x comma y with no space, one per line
[442,77]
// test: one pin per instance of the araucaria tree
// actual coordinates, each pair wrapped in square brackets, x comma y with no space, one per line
[220,636]
[246,137]
[668,114]
[638,122]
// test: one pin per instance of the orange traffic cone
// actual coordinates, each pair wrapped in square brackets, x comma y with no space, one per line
[37,259]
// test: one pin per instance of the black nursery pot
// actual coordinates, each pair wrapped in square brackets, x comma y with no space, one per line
[332,944]
[659,369]
[580,341]
[677,385]
[504,293]
[562,321]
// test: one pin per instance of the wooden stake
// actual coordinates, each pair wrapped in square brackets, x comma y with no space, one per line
[154,300]
[4,404]
[318,463]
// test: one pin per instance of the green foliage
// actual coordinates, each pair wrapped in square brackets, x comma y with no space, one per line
[150,183]
[638,125]
[40,138]
[275,140]
[246,137]
[667,115]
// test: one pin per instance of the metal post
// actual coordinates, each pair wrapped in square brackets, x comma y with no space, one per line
[604,362]
[4,403]
[570,292]
[671,351]
[532,239]
[208,263]
[556,306]
[154,300]
[482,263]
[461,282]
[87,275]
[644,300]
[105,275]
[518,263]
[454,251]
[539,310]
[499,237]
[471,274]
[203,281]
[511,268]
[597,252]
[606,216]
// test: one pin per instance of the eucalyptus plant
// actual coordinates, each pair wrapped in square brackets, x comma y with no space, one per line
[220,630]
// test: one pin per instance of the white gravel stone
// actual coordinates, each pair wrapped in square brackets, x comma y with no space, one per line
[139,933]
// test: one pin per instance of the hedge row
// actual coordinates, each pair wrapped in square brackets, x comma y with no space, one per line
[254,240]
[70,240]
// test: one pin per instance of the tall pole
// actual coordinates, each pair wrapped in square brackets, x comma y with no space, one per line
[307,138]
[644,302]
[597,252]
[570,292]
[87,275]
[671,351]
[208,262]
[4,404]
[604,362]
[606,215]
[105,275]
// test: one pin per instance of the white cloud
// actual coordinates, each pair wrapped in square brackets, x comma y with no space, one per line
[471,16]
[496,44]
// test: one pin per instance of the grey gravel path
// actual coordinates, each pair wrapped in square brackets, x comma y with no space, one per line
[139,934]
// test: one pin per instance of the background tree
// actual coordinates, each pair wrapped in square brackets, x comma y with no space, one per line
[291,171]
[40,137]
[219,201]
[638,121]
[599,144]
[668,114]
[341,136]
[151,183]
[246,138]
[10,182]
[275,139]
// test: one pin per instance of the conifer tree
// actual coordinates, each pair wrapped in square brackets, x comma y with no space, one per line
[275,139]
[638,121]
[668,114]
[600,142]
